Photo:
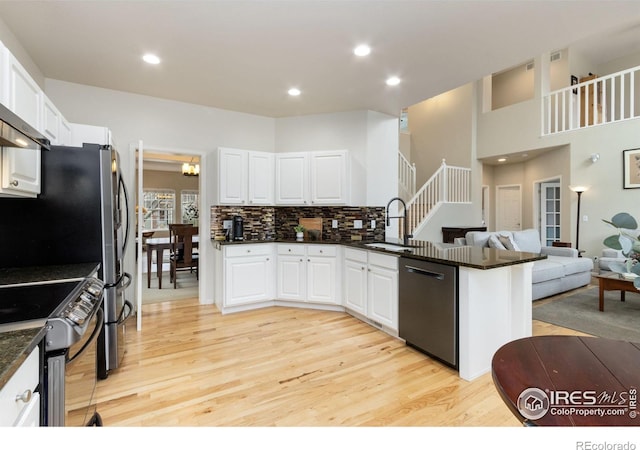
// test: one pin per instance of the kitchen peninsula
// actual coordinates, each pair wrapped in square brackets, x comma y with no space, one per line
[493,286]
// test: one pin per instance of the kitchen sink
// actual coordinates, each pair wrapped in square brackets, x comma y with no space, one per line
[388,246]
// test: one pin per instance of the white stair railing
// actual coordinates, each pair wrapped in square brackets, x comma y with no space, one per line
[606,99]
[406,176]
[449,184]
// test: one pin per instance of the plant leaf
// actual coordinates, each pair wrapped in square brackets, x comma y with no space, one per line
[618,267]
[624,220]
[613,242]
[626,244]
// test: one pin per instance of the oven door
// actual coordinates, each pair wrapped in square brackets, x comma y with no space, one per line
[71,379]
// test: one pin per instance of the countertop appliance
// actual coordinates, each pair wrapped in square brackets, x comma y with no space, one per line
[428,308]
[70,310]
[80,216]
[238,228]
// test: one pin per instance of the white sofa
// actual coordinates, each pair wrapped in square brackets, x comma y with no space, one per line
[561,271]
[608,257]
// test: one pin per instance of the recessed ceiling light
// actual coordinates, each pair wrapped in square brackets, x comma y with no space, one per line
[151,59]
[294,92]
[362,50]
[502,159]
[393,81]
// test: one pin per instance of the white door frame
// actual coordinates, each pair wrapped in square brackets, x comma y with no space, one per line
[537,199]
[499,207]
[205,257]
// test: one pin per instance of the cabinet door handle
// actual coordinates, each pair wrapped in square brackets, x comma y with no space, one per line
[267,259]
[24,397]
[14,183]
[300,259]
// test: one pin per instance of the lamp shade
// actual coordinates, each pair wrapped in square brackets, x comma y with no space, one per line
[578,188]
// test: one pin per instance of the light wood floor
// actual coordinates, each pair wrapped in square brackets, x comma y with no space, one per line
[192,366]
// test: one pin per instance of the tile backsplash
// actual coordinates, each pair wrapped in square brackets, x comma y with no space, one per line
[277,222]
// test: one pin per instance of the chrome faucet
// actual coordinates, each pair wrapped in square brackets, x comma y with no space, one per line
[405,235]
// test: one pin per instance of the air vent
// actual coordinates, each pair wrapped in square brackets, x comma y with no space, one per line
[556,56]
[530,66]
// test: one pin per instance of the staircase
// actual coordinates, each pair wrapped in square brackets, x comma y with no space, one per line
[406,177]
[449,184]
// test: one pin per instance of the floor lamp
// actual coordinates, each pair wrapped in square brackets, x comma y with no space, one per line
[579,190]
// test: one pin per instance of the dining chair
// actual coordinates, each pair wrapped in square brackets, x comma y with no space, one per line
[182,254]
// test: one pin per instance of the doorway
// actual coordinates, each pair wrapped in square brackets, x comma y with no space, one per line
[169,195]
[550,202]
[509,207]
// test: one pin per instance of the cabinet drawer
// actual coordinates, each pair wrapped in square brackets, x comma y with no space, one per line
[232,251]
[378,259]
[355,255]
[25,379]
[291,249]
[321,250]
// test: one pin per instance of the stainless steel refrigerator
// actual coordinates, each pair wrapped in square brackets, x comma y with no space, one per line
[80,216]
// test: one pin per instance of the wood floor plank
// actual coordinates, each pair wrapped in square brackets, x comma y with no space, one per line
[192,366]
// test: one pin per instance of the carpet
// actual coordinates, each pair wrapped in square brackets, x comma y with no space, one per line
[619,320]
[187,288]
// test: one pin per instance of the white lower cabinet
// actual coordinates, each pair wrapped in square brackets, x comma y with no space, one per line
[248,274]
[355,280]
[19,401]
[371,286]
[308,273]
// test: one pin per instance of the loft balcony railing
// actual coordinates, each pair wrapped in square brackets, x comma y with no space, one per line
[601,100]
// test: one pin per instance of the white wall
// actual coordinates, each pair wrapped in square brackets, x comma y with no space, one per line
[164,125]
[516,129]
[370,137]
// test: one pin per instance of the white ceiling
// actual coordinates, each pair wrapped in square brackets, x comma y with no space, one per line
[245,55]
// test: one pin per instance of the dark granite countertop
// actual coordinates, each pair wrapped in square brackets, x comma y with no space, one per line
[449,254]
[15,346]
[41,274]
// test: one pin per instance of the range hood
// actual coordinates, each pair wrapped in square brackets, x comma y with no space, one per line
[16,133]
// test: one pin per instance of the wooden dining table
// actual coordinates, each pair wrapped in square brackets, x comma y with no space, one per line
[159,245]
[569,380]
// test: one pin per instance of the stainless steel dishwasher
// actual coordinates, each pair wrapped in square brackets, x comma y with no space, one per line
[428,308]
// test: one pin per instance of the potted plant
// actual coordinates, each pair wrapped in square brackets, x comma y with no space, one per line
[629,243]
[299,229]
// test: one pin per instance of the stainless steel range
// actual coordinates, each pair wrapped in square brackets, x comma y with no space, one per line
[71,312]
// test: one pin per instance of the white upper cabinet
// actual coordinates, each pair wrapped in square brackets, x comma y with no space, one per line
[24,95]
[292,179]
[245,177]
[329,184]
[51,121]
[312,178]
[261,173]
[232,176]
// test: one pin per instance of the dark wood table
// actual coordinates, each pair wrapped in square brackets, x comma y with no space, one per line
[614,282]
[159,245]
[569,380]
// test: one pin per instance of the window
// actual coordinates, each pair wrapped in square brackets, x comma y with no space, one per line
[160,206]
[190,206]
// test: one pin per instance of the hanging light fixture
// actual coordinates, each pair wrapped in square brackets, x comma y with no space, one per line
[190,170]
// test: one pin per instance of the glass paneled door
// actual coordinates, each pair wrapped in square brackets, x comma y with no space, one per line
[550,212]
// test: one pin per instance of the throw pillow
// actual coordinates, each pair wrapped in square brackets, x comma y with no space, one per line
[528,240]
[494,242]
[508,242]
